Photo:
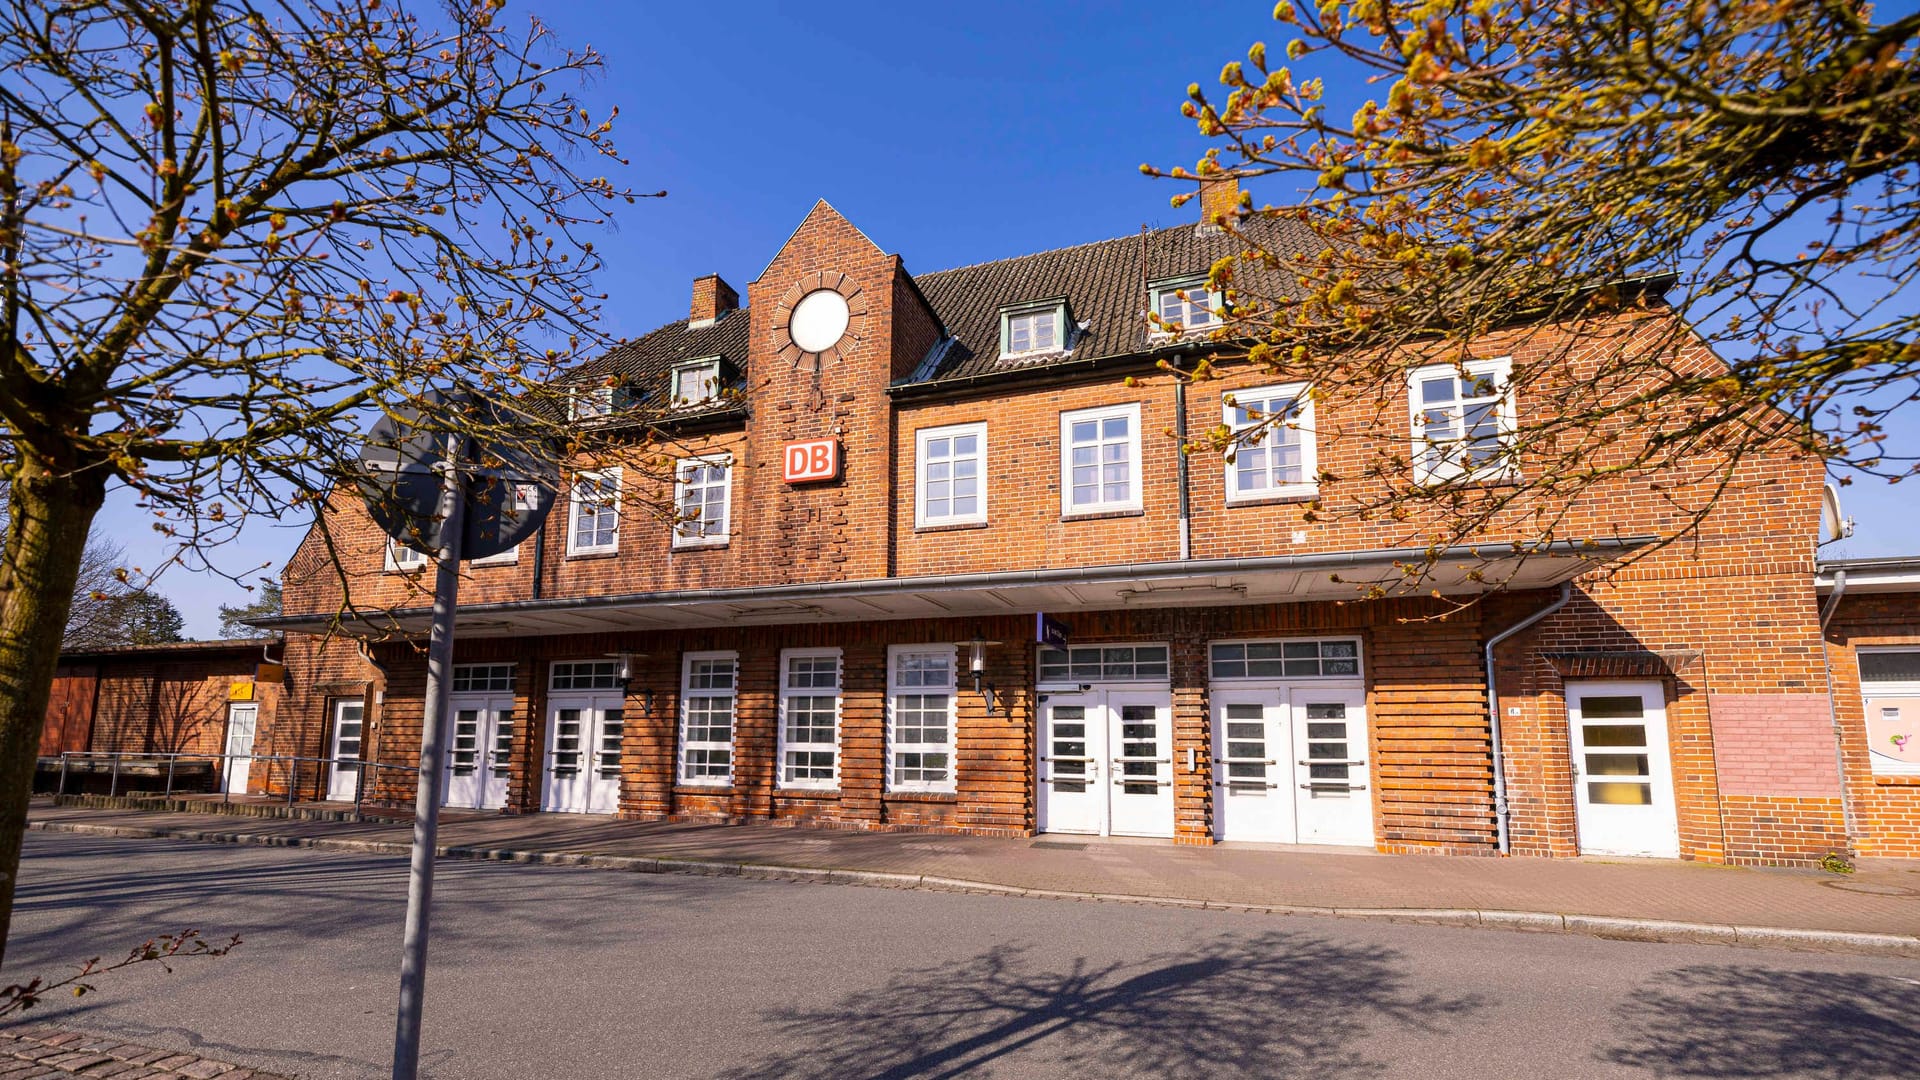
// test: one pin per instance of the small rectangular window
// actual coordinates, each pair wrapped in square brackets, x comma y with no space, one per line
[475,677]
[1462,423]
[707,696]
[1103,663]
[1100,460]
[1278,460]
[589,402]
[1332,659]
[696,383]
[595,513]
[951,475]
[702,492]
[402,559]
[585,675]
[1186,304]
[920,718]
[1033,331]
[809,718]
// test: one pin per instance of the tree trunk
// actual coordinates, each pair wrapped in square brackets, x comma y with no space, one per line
[50,513]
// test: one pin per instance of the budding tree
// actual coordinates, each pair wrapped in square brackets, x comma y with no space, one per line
[233,230]
[1693,226]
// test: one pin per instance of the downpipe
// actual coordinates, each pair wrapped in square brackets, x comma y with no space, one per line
[1500,808]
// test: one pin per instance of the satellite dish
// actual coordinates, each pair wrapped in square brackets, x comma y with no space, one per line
[1834,525]
[510,485]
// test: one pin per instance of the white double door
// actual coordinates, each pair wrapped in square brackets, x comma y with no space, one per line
[1106,763]
[1290,765]
[479,746]
[584,732]
[1622,772]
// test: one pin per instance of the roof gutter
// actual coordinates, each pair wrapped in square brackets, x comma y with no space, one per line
[1333,561]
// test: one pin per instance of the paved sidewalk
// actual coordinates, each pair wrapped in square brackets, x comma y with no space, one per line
[1883,898]
[46,1052]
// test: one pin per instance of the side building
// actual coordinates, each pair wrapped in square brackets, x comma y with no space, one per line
[939,564]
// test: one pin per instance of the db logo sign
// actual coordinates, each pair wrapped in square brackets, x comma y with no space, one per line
[811,461]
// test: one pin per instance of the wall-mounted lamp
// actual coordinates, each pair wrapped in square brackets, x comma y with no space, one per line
[977,667]
[625,670]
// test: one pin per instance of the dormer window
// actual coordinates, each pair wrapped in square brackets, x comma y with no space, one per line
[696,382]
[589,403]
[1183,304]
[1033,329]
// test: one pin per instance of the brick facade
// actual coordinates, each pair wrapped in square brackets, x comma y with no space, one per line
[1725,625]
[1886,808]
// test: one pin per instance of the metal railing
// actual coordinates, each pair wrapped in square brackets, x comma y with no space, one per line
[119,758]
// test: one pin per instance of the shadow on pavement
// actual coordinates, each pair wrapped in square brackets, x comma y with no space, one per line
[1726,1021]
[1300,1006]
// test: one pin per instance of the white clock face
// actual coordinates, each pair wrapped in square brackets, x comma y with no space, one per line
[819,320]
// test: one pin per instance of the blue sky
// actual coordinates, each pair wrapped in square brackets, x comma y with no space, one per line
[950,134]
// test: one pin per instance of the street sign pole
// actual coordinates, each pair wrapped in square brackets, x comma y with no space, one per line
[432,775]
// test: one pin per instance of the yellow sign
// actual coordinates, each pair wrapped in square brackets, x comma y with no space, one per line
[240,691]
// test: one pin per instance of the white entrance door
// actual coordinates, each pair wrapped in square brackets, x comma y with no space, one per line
[242,720]
[1622,775]
[1252,780]
[584,733]
[1106,763]
[343,771]
[479,751]
[1332,803]
[1290,765]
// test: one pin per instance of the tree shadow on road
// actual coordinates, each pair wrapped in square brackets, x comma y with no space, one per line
[1277,1004]
[1725,1021]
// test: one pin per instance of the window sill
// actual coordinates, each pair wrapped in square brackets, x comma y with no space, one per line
[949,526]
[689,787]
[807,793]
[922,796]
[1101,515]
[1897,781]
[1279,498]
[593,553]
[701,545]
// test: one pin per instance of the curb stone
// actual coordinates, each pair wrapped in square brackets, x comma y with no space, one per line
[1624,929]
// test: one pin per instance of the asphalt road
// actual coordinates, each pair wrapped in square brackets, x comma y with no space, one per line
[548,972]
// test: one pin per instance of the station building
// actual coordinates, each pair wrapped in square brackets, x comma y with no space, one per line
[938,563]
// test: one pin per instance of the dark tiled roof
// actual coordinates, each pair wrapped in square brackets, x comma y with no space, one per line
[1105,284]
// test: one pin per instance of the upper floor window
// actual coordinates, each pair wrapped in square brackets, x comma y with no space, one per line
[920,718]
[696,382]
[706,717]
[1279,459]
[403,559]
[1100,459]
[809,718]
[1462,424]
[1033,329]
[504,558]
[950,472]
[1184,304]
[594,524]
[589,402]
[702,490]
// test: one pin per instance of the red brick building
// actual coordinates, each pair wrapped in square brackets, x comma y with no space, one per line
[903,482]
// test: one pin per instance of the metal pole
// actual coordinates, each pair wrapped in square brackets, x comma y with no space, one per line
[432,774]
[293,777]
[113,785]
[171,758]
[63,773]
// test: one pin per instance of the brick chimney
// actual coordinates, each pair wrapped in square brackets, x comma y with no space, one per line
[712,298]
[1219,199]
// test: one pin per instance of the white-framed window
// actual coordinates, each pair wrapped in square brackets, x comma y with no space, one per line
[525,498]
[1890,702]
[1100,459]
[1191,311]
[920,717]
[584,675]
[402,559]
[1103,663]
[1280,460]
[707,698]
[810,718]
[1462,424]
[1332,658]
[950,475]
[589,402]
[702,497]
[593,522]
[1030,331]
[490,677]
[505,558]
[696,382]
